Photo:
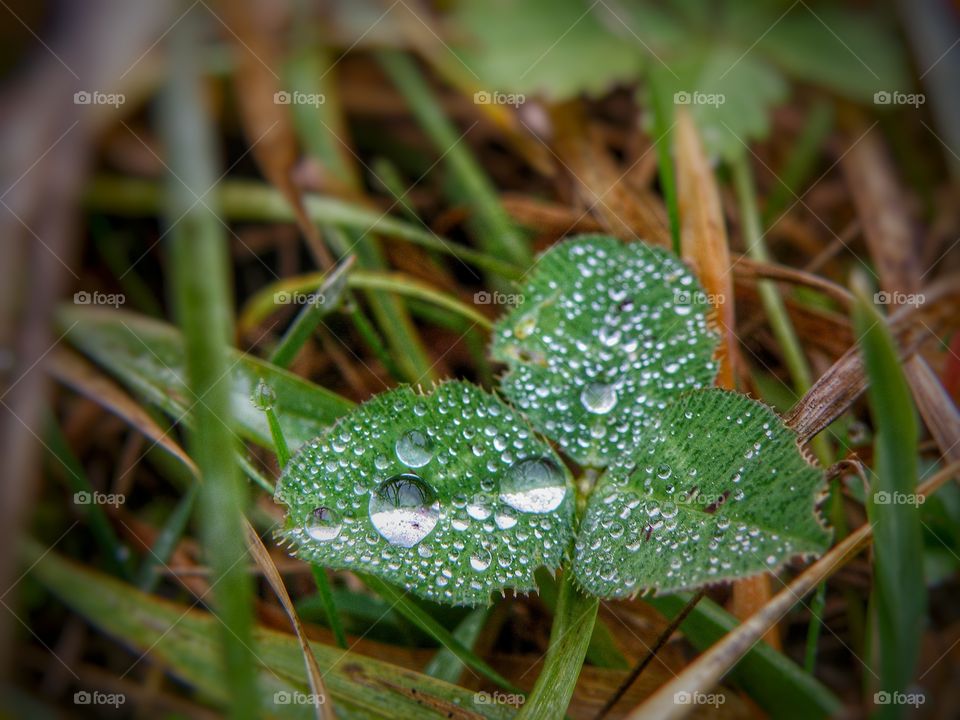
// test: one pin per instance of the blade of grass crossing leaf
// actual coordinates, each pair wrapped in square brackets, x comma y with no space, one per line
[898,597]
[419,617]
[199,260]
[497,234]
[445,665]
[569,638]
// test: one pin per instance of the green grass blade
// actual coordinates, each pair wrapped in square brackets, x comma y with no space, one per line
[247,201]
[183,640]
[167,539]
[660,108]
[200,279]
[82,494]
[569,638]
[899,598]
[419,617]
[496,231]
[445,665]
[329,605]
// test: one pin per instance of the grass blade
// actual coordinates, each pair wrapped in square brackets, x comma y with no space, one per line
[200,272]
[899,598]
[413,612]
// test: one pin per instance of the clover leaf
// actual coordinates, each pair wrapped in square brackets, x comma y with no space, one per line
[450,494]
[606,334]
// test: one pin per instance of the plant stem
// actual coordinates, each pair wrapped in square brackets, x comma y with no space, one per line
[569,639]
[200,262]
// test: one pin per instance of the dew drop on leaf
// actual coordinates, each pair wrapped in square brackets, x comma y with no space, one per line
[324,524]
[599,398]
[480,560]
[414,449]
[533,486]
[404,509]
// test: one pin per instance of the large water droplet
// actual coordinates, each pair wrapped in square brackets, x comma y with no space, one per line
[533,486]
[599,398]
[404,509]
[480,560]
[323,524]
[414,449]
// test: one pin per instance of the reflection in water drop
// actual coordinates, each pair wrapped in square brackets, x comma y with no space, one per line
[414,449]
[323,524]
[599,398]
[404,509]
[480,560]
[533,486]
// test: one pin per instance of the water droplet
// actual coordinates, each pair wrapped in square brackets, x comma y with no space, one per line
[533,485]
[599,398]
[414,449]
[480,560]
[323,524]
[404,509]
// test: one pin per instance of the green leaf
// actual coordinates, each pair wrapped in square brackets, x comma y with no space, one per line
[450,495]
[184,640]
[554,48]
[729,94]
[853,53]
[719,490]
[147,355]
[606,334]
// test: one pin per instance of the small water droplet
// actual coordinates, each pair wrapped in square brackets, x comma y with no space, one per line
[533,485]
[414,449]
[599,398]
[404,509]
[324,524]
